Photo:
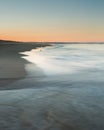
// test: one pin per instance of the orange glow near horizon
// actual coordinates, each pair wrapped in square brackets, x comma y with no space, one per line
[53,37]
[52,20]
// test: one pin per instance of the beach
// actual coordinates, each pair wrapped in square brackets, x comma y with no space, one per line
[12,66]
[51,64]
[37,94]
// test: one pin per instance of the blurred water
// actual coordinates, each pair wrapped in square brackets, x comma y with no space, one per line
[69,97]
[66,59]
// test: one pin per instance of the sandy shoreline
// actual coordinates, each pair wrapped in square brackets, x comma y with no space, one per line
[12,66]
[74,102]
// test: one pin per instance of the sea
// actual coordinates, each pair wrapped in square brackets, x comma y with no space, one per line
[81,62]
[76,72]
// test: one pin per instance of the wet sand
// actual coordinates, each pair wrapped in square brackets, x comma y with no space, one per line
[12,66]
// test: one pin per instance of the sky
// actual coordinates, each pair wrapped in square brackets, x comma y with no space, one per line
[52,20]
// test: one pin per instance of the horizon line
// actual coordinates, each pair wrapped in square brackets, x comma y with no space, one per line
[52,41]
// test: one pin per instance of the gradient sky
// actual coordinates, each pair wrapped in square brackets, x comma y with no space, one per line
[52,20]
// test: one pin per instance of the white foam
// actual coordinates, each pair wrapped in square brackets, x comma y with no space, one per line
[54,60]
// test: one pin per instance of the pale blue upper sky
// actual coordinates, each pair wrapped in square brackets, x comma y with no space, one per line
[47,16]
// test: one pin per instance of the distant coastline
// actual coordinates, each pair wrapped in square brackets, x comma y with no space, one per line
[20,42]
[8,41]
